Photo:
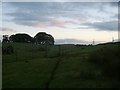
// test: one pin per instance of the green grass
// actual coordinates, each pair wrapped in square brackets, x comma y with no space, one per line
[30,67]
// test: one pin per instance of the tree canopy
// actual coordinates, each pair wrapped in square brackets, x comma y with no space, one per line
[20,38]
[44,38]
[40,38]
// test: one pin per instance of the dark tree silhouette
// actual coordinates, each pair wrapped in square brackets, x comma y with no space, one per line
[21,38]
[44,38]
[5,38]
[7,49]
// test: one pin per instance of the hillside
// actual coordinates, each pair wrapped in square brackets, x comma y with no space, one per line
[57,66]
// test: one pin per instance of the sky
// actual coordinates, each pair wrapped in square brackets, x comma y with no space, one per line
[67,22]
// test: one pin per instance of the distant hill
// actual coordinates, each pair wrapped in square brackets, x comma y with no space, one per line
[108,43]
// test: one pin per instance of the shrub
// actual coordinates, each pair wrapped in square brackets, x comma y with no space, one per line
[7,50]
[108,58]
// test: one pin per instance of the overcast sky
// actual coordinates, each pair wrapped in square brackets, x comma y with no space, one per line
[68,22]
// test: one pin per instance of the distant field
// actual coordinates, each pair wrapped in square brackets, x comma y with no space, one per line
[31,66]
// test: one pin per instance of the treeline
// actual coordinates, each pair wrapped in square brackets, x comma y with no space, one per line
[39,38]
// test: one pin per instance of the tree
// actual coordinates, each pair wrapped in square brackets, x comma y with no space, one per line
[12,38]
[5,38]
[44,38]
[21,38]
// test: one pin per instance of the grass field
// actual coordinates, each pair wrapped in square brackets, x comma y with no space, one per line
[31,66]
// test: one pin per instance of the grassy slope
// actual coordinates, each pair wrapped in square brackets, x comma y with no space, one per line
[28,67]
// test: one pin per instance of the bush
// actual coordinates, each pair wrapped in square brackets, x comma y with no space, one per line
[108,58]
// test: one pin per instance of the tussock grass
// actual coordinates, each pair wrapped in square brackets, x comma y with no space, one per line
[108,58]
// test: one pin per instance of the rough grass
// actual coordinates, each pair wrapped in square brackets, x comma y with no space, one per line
[108,58]
[31,66]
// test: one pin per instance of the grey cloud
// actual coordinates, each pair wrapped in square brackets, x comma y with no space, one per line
[115,4]
[29,13]
[104,26]
[61,1]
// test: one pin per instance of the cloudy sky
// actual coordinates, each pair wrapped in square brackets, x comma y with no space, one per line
[68,22]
